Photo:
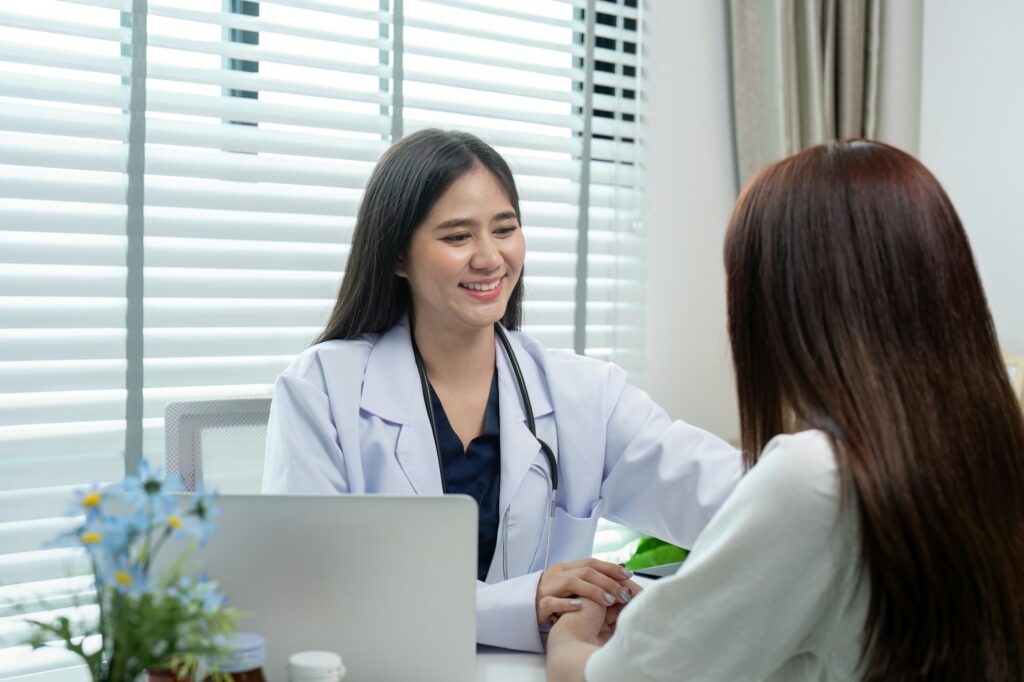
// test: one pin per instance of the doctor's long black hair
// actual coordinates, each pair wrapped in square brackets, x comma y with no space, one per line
[855,308]
[406,183]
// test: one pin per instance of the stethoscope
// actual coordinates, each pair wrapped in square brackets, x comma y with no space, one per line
[530,423]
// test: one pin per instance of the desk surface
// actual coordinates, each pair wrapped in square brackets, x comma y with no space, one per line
[492,665]
[502,665]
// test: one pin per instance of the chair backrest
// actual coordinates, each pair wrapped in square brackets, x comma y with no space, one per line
[217,442]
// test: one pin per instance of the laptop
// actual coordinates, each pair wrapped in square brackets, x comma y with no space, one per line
[659,571]
[389,583]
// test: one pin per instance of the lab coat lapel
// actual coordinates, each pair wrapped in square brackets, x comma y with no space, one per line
[392,391]
[418,456]
[519,447]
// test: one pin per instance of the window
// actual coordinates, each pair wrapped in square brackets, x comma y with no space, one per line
[178,190]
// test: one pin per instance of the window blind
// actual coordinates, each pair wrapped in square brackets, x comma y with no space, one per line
[616,249]
[262,123]
[521,97]
[63,131]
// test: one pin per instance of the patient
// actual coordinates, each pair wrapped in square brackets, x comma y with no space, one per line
[879,534]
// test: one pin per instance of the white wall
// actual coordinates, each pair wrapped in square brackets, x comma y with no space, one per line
[972,138]
[967,82]
[691,189]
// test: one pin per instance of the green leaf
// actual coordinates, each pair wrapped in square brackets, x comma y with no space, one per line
[655,552]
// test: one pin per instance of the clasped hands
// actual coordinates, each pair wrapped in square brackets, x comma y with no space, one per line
[597,588]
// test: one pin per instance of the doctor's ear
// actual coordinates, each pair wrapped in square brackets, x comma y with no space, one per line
[400,268]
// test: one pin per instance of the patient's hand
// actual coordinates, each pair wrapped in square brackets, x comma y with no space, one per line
[564,587]
[574,638]
[589,624]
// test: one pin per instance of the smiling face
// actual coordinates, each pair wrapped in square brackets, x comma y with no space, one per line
[466,256]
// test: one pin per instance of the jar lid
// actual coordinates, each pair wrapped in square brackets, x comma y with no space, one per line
[334,676]
[243,651]
[315,663]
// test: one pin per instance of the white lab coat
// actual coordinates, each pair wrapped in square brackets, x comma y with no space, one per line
[348,417]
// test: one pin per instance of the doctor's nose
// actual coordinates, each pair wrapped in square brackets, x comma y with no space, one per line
[487,256]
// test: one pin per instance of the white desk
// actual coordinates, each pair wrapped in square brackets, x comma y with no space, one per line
[502,665]
[492,664]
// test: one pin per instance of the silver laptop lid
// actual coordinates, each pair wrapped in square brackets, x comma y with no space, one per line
[387,582]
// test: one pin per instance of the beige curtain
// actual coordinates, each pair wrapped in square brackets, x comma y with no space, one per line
[803,72]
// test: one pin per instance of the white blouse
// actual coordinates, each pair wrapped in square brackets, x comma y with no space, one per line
[770,591]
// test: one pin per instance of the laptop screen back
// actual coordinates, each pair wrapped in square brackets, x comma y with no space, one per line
[387,582]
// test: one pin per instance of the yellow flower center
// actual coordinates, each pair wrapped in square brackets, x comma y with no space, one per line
[174,522]
[91,500]
[123,578]
[91,538]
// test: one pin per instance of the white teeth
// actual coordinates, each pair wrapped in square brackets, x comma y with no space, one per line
[483,287]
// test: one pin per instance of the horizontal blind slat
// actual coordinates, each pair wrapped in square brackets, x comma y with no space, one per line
[19,117]
[79,375]
[512,139]
[243,167]
[203,223]
[112,96]
[549,94]
[257,53]
[564,120]
[257,140]
[420,49]
[258,25]
[569,49]
[227,195]
[68,28]
[495,11]
[28,53]
[329,7]
[254,111]
[240,80]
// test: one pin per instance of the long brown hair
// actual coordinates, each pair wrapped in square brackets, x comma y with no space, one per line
[855,308]
[405,184]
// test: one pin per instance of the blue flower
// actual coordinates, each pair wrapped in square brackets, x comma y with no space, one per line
[149,492]
[122,528]
[125,576]
[181,590]
[201,594]
[95,538]
[119,532]
[88,501]
[101,534]
[202,516]
[213,599]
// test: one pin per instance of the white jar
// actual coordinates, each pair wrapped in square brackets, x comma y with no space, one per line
[315,666]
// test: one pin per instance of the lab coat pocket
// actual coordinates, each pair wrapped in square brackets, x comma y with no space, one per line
[572,537]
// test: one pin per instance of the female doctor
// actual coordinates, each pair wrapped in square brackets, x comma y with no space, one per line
[419,385]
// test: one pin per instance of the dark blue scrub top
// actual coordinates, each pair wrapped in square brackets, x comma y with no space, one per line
[476,471]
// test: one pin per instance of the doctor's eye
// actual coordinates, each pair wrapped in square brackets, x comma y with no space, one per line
[455,238]
[506,231]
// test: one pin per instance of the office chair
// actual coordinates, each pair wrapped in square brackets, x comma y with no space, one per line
[218,443]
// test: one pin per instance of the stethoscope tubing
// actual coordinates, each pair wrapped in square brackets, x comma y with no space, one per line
[524,395]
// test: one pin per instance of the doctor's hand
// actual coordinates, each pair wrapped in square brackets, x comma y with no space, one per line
[563,587]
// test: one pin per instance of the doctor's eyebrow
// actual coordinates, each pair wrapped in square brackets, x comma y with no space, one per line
[469,222]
